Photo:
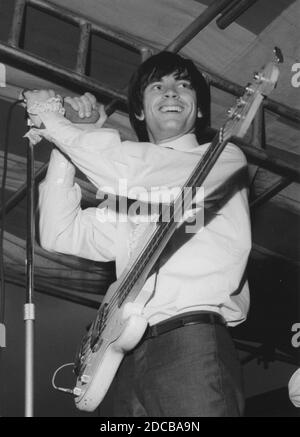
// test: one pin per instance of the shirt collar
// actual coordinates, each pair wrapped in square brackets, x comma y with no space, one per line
[185,143]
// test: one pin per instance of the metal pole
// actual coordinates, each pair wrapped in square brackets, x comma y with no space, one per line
[259,349]
[258,137]
[70,17]
[16,28]
[270,192]
[83,48]
[281,109]
[198,24]
[234,12]
[266,160]
[21,192]
[54,291]
[29,308]
[52,71]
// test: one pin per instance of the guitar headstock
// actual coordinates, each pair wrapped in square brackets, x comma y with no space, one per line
[241,115]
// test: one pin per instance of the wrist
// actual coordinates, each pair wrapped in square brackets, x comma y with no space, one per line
[54,104]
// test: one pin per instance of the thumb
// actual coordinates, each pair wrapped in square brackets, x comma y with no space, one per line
[33,136]
[103,116]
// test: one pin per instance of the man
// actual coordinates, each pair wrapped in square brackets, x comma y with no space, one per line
[186,364]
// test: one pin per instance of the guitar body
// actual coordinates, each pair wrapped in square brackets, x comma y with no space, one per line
[122,333]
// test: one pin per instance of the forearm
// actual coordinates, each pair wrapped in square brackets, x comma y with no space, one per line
[57,195]
[97,152]
[64,226]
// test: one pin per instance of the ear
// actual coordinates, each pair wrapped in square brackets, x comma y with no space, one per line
[199,113]
[140,117]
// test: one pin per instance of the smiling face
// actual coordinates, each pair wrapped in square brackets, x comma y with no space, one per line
[169,108]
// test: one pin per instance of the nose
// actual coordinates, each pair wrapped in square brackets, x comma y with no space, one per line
[171,91]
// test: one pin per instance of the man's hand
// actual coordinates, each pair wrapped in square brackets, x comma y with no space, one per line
[85,105]
[37,96]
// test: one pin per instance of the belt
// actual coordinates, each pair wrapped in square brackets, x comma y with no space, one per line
[183,320]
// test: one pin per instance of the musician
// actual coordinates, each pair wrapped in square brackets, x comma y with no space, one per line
[185,364]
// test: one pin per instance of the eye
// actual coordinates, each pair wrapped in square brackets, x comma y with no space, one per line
[157,86]
[184,84]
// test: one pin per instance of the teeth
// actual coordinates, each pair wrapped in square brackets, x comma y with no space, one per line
[171,109]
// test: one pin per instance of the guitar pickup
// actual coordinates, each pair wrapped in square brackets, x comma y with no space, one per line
[85,378]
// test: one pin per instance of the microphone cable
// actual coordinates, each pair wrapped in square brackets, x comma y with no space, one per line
[2,219]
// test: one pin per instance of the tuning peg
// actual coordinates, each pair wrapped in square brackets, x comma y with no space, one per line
[278,55]
[257,76]
[249,89]
[240,102]
[230,112]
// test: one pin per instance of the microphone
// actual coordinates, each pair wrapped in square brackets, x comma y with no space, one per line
[73,115]
[70,112]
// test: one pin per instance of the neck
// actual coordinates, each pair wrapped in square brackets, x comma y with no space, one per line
[168,138]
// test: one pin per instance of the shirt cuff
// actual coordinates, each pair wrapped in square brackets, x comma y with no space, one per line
[61,171]
[51,119]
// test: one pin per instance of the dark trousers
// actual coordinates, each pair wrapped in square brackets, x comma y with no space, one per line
[192,371]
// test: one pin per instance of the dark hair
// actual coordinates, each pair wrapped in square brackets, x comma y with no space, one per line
[152,70]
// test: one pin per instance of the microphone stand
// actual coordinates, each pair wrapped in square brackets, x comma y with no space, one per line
[29,308]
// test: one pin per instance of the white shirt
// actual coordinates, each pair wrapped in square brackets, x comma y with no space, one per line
[199,271]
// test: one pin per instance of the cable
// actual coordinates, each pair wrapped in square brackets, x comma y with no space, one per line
[69,391]
[2,278]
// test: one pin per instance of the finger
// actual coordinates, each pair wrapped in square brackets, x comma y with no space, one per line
[72,102]
[103,115]
[87,105]
[52,93]
[81,108]
[34,137]
[92,99]
[31,95]
[38,95]
[43,95]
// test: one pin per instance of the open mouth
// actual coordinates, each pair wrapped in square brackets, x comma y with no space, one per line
[171,109]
